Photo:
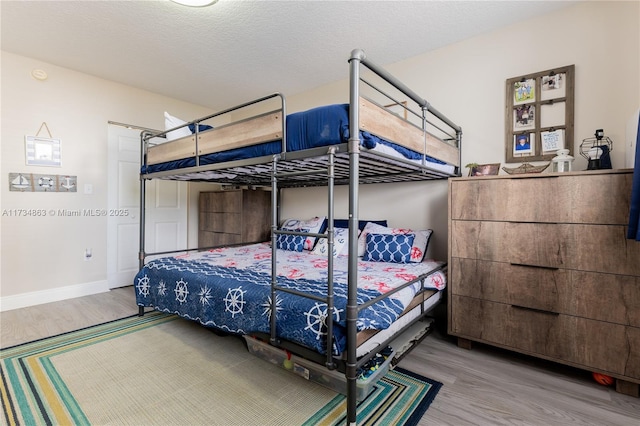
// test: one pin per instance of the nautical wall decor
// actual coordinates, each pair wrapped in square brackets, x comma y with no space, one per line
[41,151]
[32,182]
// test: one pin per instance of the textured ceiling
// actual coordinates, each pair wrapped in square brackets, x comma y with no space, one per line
[237,50]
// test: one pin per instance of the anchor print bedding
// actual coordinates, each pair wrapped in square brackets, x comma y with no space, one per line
[230,289]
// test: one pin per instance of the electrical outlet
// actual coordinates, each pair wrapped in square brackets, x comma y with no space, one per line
[87,254]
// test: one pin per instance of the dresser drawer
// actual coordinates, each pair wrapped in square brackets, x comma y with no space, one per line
[221,201]
[604,248]
[605,297]
[632,368]
[523,330]
[538,244]
[586,198]
[221,222]
[599,198]
[214,239]
[577,341]
[604,346]
[513,200]
[597,248]
[532,287]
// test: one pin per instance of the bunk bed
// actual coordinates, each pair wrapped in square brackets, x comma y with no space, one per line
[351,144]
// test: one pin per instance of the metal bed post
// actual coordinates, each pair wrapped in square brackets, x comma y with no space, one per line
[459,145]
[143,184]
[357,56]
[330,242]
[275,219]
[274,227]
[424,135]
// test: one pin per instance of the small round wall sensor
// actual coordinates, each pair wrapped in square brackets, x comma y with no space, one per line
[39,74]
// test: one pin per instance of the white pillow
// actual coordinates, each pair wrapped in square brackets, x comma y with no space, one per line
[170,122]
[340,243]
[315,225]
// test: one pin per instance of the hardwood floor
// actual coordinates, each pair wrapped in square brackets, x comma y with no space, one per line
[49,319]
[482,386]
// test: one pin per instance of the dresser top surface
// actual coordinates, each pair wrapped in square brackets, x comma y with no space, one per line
[546,175]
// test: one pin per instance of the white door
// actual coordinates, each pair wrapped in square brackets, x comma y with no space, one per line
[166,209]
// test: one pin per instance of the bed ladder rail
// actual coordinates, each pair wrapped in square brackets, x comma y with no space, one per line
[329,235]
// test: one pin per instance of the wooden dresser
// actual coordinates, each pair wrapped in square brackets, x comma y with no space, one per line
[540,264]
[233,217]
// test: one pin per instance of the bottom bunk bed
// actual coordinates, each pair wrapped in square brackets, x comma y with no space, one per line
[229,289]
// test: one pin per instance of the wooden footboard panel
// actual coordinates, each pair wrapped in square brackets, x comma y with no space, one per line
[252,131]
[386,125]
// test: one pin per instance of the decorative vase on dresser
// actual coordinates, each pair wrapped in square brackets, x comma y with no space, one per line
[540,264]
[233,217]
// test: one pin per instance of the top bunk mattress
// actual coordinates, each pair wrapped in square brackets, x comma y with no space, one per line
[318,127]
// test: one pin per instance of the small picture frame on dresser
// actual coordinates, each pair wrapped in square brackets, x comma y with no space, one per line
[483,169]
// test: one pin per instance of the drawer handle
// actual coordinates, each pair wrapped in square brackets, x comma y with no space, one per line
[530,176]
[540,311]
[552,268]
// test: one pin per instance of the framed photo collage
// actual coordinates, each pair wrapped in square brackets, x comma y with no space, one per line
[539,115]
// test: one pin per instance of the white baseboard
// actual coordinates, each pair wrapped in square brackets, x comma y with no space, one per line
[24,300]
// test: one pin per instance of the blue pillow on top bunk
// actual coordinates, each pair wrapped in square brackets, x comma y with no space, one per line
[290,242]
[389,248]
[321,126]
[201,127]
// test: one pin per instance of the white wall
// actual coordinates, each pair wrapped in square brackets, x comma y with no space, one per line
[42,257]
[466,82]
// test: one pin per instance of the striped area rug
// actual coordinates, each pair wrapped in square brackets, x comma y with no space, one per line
[160,369]
[399,398]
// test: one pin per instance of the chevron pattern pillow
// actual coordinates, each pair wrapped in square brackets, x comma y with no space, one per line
[290,242]
[389,248]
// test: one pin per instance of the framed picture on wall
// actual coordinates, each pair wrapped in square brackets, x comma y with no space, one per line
[553,86]
[524,117]
[42,151]
[523,144]
[524,91]
[539,115]
[552,141]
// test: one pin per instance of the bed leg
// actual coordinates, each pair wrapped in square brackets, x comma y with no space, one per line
[140,311]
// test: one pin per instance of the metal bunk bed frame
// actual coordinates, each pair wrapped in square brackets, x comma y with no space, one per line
[298,175]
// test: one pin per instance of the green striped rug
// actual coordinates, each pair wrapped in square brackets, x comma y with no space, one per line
[160,369]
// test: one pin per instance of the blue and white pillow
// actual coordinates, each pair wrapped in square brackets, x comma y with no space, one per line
[315,225]
[420,243]
[389,248]
[290,242]
[340,243]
